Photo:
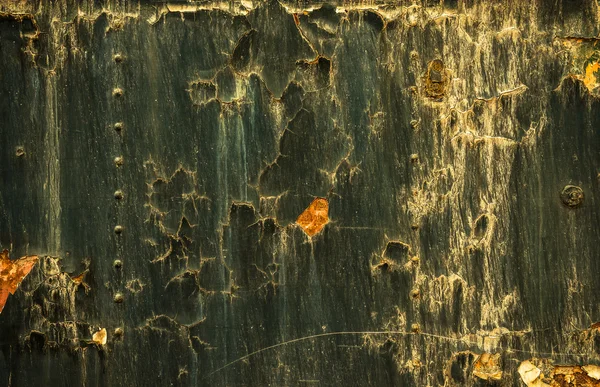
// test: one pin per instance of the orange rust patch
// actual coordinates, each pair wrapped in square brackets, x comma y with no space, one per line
[12,273]
[589,79]
[315,217]
[80,281]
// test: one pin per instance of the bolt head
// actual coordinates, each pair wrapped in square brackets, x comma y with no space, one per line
[572,196]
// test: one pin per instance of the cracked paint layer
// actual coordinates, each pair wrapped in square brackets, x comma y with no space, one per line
[454,145]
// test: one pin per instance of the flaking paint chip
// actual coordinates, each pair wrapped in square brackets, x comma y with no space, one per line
[315,217]
[12,273]
[487,367]
[100,337]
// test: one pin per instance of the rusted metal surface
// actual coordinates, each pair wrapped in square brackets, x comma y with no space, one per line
[280,193]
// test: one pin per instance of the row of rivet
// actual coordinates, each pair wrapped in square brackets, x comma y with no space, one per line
[118,195]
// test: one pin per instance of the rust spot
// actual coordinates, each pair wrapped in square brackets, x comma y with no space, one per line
[487,367]
[296,19]
[99,337]
[79,281]
[436,80]
[12,273]
[585,61]
[315,217]
[415,294]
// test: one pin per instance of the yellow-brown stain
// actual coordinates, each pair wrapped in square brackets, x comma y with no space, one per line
[560,375]
[12,273]
[590,79]
[100,337]
[487,367]
[573,376]
[315,217]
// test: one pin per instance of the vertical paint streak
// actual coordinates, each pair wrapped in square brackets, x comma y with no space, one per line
[244,159]
[222,167]
[53,178]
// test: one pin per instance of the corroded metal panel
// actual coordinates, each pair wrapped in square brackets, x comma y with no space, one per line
[284,193]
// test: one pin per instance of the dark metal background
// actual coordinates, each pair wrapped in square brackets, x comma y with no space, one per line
[441,133]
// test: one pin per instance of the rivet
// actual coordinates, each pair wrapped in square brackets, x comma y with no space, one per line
[118,264]
[415,293]
[20,151]
[118,229]
[118,298]
[415,260]
[414,158]
[117,92]
[414,226]
[119,194]
[118,161]
[118,126]
[415,328]
[572,196]
[118,332]
[118,58]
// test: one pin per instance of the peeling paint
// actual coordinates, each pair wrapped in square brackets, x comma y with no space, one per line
[12,273]
[488,367]
[315,217]
[100,337]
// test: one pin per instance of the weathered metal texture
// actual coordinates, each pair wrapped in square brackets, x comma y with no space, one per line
[156,158]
